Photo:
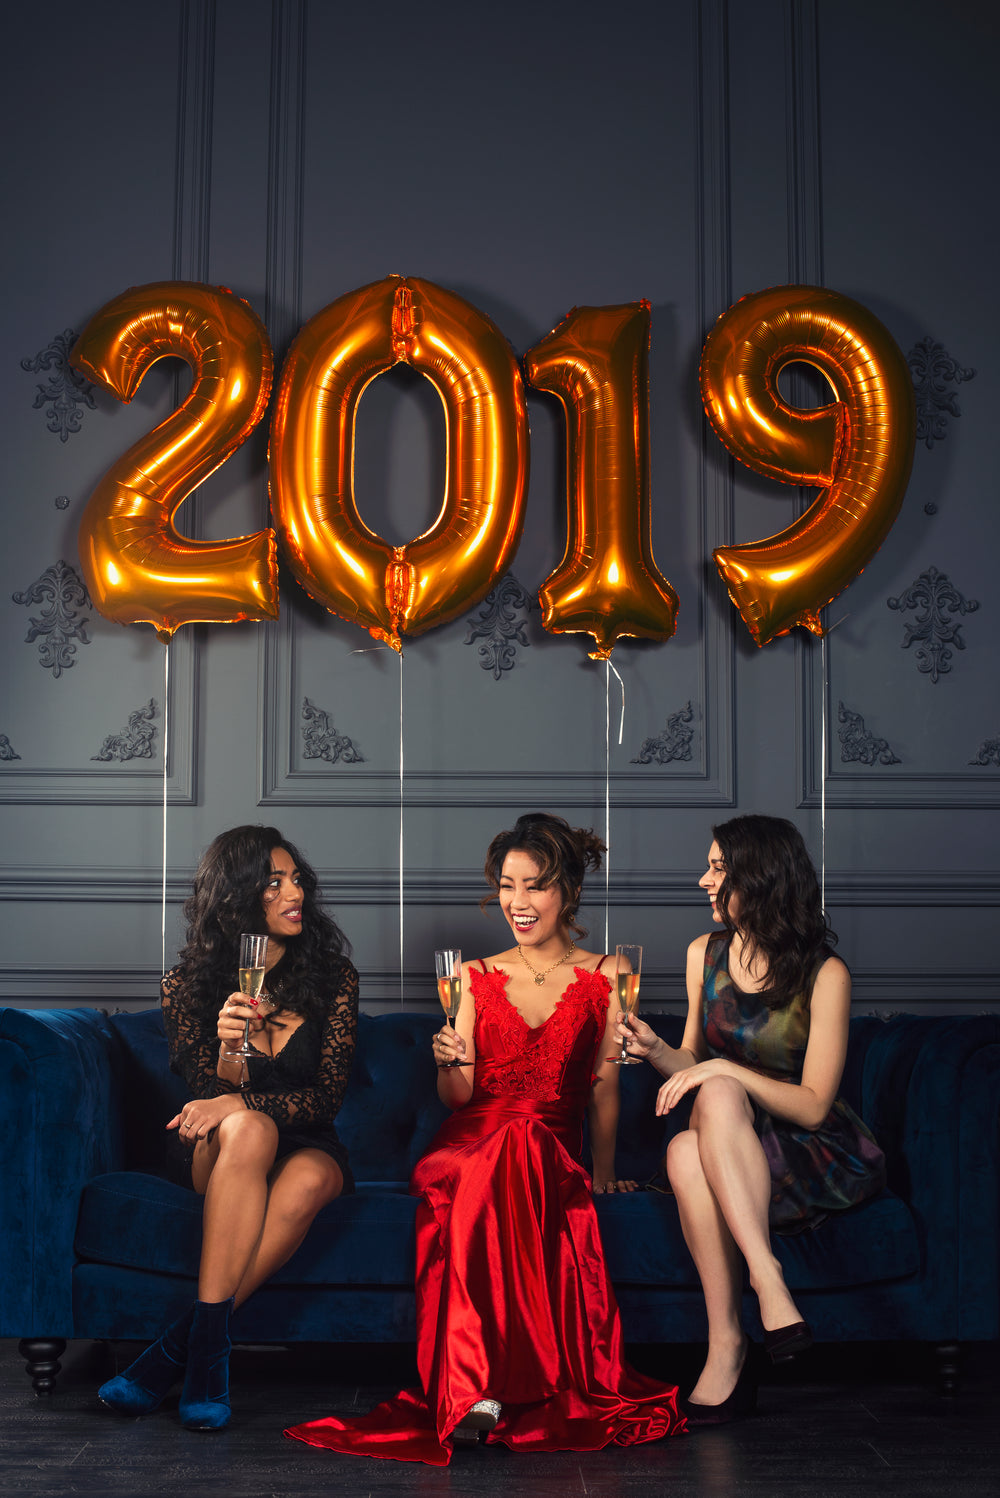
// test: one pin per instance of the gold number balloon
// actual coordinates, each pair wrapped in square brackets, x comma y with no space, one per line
[399,589]
[597,362]
[138,568]
[858,450]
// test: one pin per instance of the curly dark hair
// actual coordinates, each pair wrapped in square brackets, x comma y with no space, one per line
[781,916]
[563,854]
[227,899]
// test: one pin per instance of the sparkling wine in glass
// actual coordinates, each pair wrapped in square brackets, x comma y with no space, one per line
[253,956]
[448,969]
[628,970]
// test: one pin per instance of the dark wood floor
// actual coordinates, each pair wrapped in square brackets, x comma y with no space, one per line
[846,1423]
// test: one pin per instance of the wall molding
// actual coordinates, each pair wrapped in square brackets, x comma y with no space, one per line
[122,783]
[892,990]
[344,887]
[195,108]
[967,788]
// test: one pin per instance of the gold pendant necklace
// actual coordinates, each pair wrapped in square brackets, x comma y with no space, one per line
[539,974]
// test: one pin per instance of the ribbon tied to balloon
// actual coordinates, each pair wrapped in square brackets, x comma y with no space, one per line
[137,566]
[858,450]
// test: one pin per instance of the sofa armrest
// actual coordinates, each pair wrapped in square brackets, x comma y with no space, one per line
[60,1120]
[931,1094]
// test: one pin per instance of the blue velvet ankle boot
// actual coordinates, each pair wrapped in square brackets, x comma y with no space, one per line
[205,1400]
[146,1382]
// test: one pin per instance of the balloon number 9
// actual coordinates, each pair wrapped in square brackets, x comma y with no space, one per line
[858,451]
[137,567]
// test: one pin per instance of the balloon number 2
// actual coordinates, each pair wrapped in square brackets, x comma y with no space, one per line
[140,570]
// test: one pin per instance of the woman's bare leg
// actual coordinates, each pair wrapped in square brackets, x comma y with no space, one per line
[717,1261]
[298,1187]
[737,1171]
[231,1172]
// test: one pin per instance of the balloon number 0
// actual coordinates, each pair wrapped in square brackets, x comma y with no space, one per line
[140,570]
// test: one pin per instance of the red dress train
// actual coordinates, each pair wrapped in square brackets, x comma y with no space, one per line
[513,1297]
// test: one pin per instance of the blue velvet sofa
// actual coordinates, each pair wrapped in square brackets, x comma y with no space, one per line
[97,1244]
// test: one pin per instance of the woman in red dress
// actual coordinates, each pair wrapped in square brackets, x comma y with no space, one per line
[518,1333]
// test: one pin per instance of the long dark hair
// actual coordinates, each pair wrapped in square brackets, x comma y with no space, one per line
[227,899]
[781,916]
[563,854]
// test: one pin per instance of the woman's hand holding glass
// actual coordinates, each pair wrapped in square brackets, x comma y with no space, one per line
[639,1039]
[237,1012]
[449,1047]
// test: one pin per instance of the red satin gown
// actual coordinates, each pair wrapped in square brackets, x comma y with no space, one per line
[513,1297]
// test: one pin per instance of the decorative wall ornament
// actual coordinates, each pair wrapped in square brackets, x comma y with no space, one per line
[322,741]
[673,743]
[934,593]
[62,501]
[933,369]
[135,741]
[859,744]
[65,390]
[61,591]
[7,749]
[988,753]
[500,625]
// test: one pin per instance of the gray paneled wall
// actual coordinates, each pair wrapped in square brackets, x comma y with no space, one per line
[529,159]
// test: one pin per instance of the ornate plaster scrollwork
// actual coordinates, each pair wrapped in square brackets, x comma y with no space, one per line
[673,743]
[65,391]
[858,745]
[7,749]
[322,741]
[136,741]
[61,591]
[988,753]
[933,369]
[937,596]
[500,625]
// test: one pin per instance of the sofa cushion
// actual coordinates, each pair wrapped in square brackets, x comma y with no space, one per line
[139,1221]
[870,1244]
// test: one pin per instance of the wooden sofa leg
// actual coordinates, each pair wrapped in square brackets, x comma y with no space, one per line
[946,1363]
[42,1356]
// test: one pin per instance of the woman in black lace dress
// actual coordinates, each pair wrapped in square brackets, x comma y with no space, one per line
[258,1138]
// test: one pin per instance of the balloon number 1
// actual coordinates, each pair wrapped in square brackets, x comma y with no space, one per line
[140,570]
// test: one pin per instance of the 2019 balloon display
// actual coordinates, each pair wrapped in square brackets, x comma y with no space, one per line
[858,450]
[597,362]
[137,566]
[406,589]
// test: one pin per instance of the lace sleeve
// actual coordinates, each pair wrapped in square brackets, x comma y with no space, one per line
[320,1102]
[194,1050]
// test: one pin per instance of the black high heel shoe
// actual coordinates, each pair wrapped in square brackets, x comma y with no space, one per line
[786,1342]
[742,1401]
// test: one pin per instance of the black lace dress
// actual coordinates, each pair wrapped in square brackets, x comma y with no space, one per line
[301,1087]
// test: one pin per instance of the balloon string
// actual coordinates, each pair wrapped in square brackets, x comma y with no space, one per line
[370,649]
[166,750]
[822,787]
[607,787]
[401,829]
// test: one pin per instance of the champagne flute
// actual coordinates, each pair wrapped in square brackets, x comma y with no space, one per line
[253,956]
[627,973]
[448,969]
